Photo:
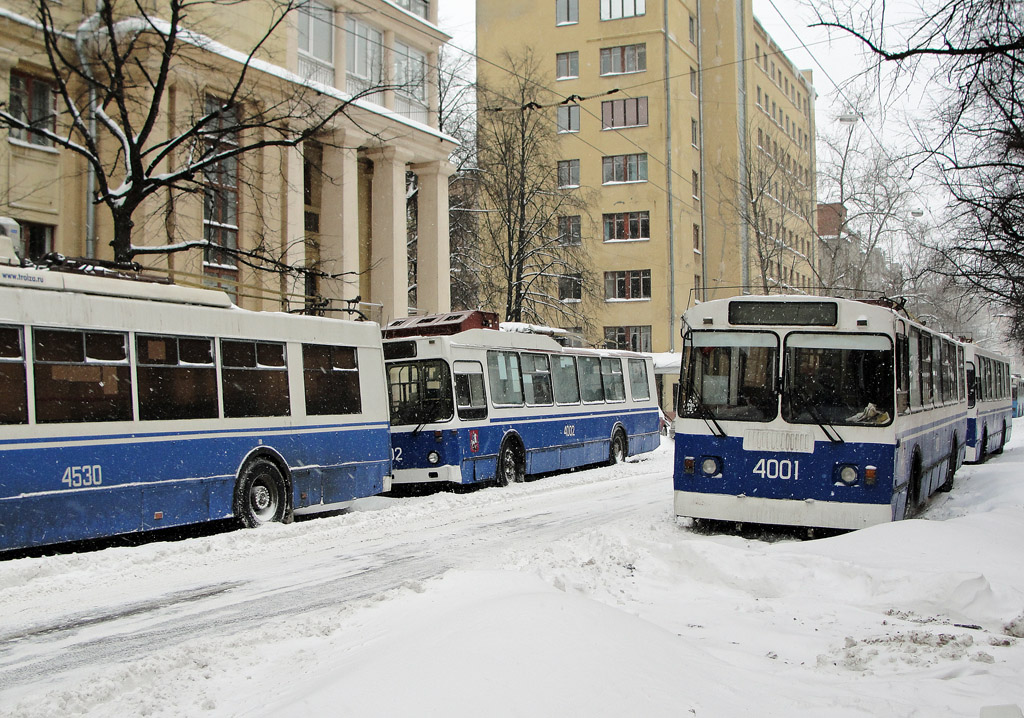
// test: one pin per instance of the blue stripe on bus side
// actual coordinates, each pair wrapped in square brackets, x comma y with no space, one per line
[188,479]
[552,442]
[810,475]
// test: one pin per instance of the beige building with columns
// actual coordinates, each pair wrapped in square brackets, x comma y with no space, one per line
[336,204]
[661,107]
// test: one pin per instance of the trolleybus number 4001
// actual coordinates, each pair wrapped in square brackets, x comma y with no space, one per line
[777,469]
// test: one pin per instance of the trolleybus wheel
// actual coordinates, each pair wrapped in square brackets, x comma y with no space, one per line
[619,445]
[1002,440]
[947,485]
[983,449]
[510,464]
[913,488]
[260,494]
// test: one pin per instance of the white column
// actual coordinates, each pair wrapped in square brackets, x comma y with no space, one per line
[293,229]
[389,255]
[433,278]
[339,221]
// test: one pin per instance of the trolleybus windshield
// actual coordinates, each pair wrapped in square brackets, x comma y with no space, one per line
[730,376]
[421,392]
[838,379]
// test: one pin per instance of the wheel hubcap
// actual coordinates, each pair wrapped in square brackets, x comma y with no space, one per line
[260,497]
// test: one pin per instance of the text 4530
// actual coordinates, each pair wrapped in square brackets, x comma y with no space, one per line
[78,476]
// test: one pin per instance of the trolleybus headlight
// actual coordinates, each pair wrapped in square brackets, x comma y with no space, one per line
[709,466]
[433,457]
[848,475]
[688,464]
[870,475]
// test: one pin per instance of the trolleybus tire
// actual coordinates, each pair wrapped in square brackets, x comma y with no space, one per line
[511,466]
[947,485]
[619,447]
[983,448]
[261,495]
[1002,440]
[913,488]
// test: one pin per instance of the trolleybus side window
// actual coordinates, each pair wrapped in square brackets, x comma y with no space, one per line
[81,376]
[504,378]
[565,379]
[838,379]
[902,374]
[639,384]
[972,385]
[732,375]
[331,379]
[960,372]
[926,369]
[590,379]
[470,396]
[536,379]
[13,385]
[177,377]
[914,360]
[948,371]
[421,392]
[255,378]
[611,373]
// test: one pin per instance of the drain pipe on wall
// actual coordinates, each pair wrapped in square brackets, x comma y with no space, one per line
[90,188]
[703,176]
[668,187]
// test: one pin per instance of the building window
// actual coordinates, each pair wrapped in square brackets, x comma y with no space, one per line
[567,12]
[569,234]
[570,287]
[698,288]
[627,226]
[631,112]
[568,118]
[635,338]
[33,102]
[696,238]
[363,56]
[623,59]
[569,173]
[624,168]
[618,9]
[410,82]
[693,81]
[695,181]
[37,239]
[693,29]
[416,7]
[629,284]
[316,42]
[567,65]
[220,195]
[694,132]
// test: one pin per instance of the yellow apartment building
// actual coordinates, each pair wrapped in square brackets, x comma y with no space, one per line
[336,204]
[694,135]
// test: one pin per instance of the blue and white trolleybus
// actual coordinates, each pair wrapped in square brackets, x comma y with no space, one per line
[816,412]
[472,403]
[127,406]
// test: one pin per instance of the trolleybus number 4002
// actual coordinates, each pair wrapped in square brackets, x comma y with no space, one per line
[777,469]
[78,476]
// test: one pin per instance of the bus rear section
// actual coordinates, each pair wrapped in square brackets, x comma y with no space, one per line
[478,404]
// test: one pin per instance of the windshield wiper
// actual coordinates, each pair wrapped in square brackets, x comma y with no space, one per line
[812,410]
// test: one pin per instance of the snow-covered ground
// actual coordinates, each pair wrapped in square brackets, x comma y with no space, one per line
[578,594]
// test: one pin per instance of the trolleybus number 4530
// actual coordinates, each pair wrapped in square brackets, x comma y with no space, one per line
[76,476]
[777,469]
